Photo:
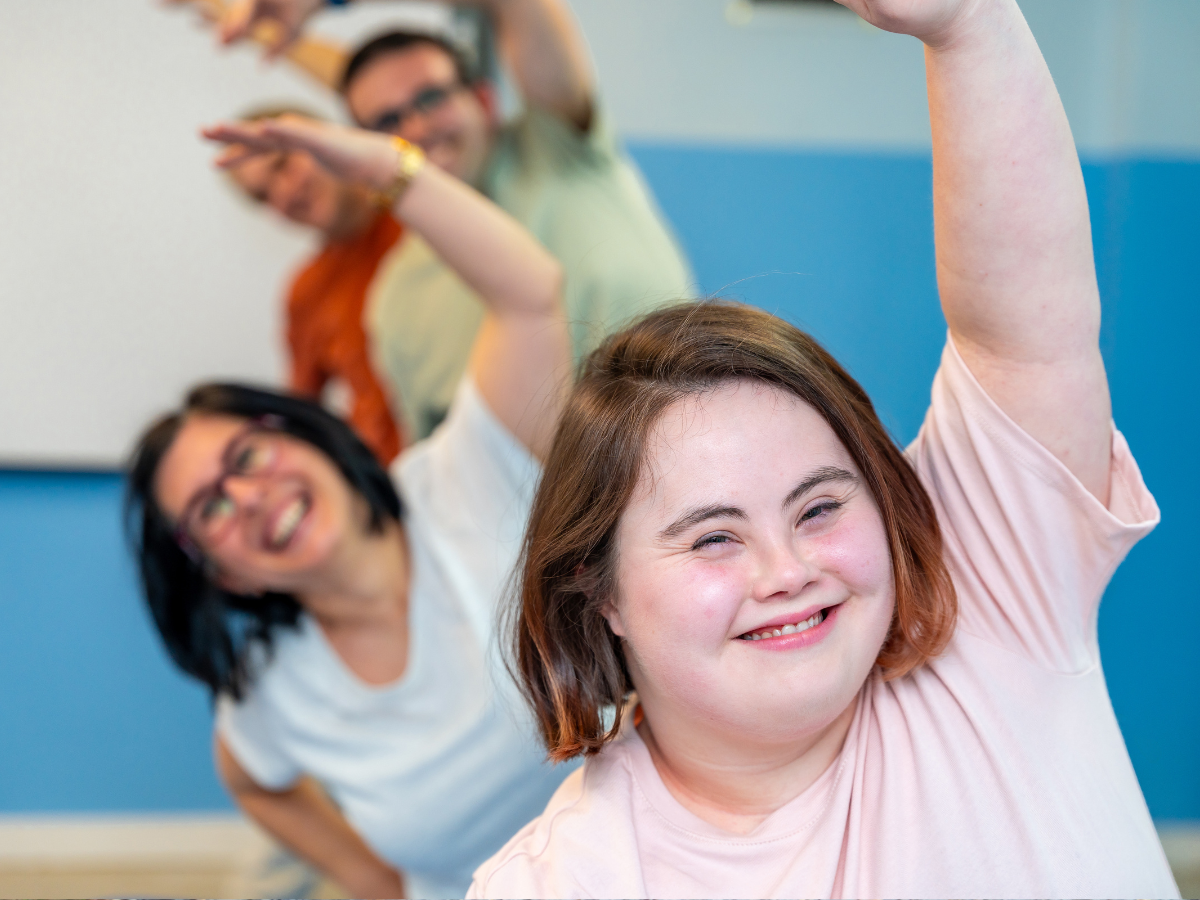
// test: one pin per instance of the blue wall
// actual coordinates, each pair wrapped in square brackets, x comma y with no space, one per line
[92,717]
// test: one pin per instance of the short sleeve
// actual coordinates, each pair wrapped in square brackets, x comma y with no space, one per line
[554,142]
[245,728]
[1030,549]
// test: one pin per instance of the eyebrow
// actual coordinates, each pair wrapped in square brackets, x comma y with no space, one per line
[720,511]
[820,476]
[701,514]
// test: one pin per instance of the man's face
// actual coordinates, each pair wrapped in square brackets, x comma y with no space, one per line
[295,186]
[416,94]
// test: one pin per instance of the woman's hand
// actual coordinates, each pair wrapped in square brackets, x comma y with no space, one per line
[935,22]
[350,154]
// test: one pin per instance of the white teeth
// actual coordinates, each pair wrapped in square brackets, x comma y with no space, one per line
[286,523]
[813,620]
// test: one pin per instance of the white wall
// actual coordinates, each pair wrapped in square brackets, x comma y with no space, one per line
[808,75]
[128,270]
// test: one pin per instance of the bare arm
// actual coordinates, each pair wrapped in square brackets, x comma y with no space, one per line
[320,59]
[305,820]
[1014,251]
[521,356]
[545,50]
[538,38]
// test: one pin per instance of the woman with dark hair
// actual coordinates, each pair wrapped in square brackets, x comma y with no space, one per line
[342,618]
[839,669]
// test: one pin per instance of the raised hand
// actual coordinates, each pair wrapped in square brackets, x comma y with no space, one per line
[350,154]
[933,21]
[285,17]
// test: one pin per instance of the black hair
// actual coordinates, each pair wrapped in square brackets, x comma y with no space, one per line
[396,41]
[209,631]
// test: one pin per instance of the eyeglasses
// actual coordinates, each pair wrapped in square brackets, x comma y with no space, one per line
[427,100]
[211,513]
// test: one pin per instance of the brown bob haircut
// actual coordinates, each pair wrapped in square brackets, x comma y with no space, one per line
[569,663]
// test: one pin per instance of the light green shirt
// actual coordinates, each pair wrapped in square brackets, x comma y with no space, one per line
[582,197]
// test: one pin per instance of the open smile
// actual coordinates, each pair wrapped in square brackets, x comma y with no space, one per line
[282,526]
[800,633]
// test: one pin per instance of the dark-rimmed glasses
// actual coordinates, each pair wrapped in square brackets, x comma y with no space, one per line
[211,513]
[427,100]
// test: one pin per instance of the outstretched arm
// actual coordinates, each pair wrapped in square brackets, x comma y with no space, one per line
[545,50]
[521,356]
[320,59]
[1014,251]
[304,819]
[538,38]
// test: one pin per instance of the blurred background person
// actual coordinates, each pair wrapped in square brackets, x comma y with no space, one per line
[327,344]
[557,167]
[342,620]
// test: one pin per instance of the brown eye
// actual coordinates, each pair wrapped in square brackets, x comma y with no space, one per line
[252,456]
[819,510]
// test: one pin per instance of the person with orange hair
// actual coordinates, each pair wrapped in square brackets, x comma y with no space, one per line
[328,353]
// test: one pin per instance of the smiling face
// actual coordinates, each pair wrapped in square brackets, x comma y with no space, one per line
[754,578]
[416,93]
[296,187]
[285,523]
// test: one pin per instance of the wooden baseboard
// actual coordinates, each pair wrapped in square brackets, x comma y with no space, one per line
[223,855]
[1181,840]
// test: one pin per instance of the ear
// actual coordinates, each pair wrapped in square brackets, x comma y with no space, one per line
[613,616]
[485,93]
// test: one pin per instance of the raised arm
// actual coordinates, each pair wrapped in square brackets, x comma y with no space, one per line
[1014,250]
[320,59]
[546,52]
[539,40]
[521,357]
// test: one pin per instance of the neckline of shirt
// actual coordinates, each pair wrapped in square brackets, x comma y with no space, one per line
[807,808]
[418,575]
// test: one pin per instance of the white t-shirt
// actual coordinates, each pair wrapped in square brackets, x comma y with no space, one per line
[997,769]
[439,768]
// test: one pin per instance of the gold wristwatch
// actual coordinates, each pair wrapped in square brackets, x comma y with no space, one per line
[409,160]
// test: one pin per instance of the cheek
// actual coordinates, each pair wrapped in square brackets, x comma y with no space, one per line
[672,611]
[859,554]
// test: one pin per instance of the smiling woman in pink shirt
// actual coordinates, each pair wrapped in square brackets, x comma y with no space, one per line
[802,662]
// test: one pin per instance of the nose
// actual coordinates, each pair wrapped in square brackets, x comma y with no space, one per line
[246,491]
[781,571]
[414,128]
[285,188]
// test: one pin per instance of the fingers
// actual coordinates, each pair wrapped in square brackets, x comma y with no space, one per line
[285,38]
[236,22]
[246,139]
[233,156]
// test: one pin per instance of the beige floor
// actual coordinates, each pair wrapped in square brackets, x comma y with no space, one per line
[224,856]
[144,856]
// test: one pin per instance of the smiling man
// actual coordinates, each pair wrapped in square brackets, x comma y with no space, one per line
[557,168]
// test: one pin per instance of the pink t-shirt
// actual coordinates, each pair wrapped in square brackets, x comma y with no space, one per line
[997,769]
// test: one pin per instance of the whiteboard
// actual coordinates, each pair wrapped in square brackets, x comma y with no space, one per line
[129,268]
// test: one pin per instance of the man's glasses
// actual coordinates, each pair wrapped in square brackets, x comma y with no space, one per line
[427,100]
[212,513]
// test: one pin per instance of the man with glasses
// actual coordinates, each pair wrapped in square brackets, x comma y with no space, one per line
[557,168]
